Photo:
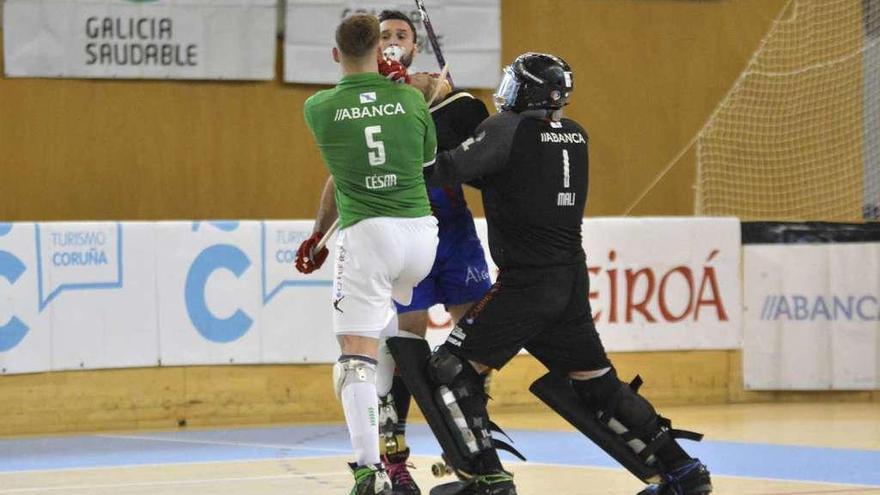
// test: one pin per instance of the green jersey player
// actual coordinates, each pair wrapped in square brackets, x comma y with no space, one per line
[375,136]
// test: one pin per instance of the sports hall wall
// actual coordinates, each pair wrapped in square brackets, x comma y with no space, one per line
[648,73]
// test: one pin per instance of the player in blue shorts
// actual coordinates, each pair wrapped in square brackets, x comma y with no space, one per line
[460,276]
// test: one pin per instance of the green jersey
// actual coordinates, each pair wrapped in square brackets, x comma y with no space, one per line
[375,136]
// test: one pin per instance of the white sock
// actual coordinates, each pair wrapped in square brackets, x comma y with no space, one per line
[361,406]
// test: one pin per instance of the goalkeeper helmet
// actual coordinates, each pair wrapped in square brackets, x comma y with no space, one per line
[534,81]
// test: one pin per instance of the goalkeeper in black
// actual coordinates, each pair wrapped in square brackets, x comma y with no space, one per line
[531,165]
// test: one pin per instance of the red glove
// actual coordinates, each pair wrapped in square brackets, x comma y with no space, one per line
[307,260]
[393,70]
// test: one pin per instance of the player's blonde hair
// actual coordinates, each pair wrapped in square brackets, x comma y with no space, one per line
[357,35]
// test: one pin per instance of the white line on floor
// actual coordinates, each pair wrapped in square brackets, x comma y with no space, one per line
[230,444]
[172,482]
[162,464]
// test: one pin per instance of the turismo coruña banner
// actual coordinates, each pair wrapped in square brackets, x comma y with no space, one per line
[90,295]
[140,39]
[469,34]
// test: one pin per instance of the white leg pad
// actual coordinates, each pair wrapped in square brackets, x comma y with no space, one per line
[384,369]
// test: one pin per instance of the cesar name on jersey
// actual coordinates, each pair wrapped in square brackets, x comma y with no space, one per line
[380,181]
[371,108]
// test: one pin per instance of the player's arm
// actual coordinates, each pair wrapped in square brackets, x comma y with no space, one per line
[327,207]
[486,153]
[469,114]
[307,260]
[430,144]
[327,212]
[428,85]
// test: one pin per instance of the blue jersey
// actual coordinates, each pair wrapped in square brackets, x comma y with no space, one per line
[448,202]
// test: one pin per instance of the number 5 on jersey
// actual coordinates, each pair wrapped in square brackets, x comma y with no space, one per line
[377,148]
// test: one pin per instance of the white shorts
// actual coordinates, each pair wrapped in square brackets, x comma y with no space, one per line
[379,260]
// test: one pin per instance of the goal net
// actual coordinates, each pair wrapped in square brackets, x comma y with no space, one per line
[797,136]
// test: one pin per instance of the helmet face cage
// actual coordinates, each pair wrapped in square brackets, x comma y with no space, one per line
[506,95]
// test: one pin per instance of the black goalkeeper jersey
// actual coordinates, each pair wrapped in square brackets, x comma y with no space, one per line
[455,118]
[533,175]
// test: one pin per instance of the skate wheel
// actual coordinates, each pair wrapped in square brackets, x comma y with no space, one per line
[439,469]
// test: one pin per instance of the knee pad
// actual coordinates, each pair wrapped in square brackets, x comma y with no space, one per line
[622,410]
[445,368]
[352,369]
[616,401]
[598,391]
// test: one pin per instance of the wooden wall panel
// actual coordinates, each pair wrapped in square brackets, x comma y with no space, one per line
[647,74]
[144,398]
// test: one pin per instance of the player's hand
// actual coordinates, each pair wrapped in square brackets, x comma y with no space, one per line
[431,84]
[393,71]
[307,260]
[444,89]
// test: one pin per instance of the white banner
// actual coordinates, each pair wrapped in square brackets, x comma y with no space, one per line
[665,283]
[178,39]
[469,34]
[812,316]
[99,294]
[297,310]
[106,294]
[25,337]
[209,305]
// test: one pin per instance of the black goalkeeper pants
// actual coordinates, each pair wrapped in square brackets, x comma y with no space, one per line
[544,310]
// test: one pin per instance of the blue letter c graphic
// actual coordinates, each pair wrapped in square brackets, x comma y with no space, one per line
[14,330]
[206,263]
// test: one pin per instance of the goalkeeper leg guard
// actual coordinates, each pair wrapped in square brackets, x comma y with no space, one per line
[618,420]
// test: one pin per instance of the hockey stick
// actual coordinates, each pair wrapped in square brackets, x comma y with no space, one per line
[432,38]
[434,94]
[323,242]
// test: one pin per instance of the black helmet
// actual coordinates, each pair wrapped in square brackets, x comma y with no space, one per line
[534,81]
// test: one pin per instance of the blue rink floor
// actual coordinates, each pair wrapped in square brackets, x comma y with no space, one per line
[753,460]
